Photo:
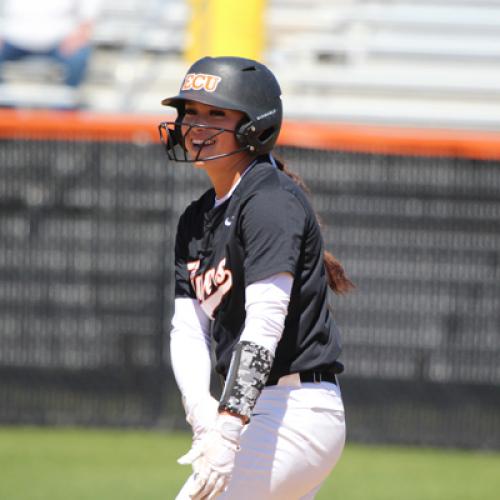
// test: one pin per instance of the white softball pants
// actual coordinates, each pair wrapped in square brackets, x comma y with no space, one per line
[293,441]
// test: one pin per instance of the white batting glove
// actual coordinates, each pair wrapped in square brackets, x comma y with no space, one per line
[218,452]
[202,417]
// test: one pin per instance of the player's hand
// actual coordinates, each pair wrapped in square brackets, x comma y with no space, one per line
[193,454]
[202,417]
[76,39]
[215,465]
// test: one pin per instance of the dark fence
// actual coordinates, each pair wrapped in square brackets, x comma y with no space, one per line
[86,242]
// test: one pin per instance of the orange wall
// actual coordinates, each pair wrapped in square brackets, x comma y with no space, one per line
[328,136]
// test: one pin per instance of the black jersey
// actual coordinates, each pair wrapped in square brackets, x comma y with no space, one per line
[266,227]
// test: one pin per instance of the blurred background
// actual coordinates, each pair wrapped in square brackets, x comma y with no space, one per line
[425,62]
[392,114]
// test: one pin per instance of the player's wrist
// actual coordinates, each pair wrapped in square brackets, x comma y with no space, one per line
[229,427]
[223,411]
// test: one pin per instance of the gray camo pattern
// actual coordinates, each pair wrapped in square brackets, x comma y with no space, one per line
[253,372]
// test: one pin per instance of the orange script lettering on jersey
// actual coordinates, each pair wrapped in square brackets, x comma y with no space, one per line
[199,81]
[210,286]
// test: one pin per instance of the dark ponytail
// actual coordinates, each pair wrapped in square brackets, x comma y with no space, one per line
[337,278]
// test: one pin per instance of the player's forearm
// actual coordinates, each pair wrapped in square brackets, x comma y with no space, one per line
[190,351]
[266,307]
[191,365]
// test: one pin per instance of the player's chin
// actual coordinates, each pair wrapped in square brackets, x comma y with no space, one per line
[197,157]
[199,164]
[193,156]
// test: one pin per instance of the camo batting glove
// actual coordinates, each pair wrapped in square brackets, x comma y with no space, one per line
[202,417]
[216,463]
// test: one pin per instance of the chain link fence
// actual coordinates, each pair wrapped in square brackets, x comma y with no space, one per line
[86,286]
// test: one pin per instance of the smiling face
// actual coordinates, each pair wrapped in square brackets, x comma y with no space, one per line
[203,141]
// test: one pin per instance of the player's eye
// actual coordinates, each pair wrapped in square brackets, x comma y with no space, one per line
[189,111]
[217,112]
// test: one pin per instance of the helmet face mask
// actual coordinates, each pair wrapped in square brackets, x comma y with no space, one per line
[174,140]
[231,83]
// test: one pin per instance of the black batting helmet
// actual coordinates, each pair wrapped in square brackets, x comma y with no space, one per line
[232,83]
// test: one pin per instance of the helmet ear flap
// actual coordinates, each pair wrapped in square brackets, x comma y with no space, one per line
[244,132]
[256,138]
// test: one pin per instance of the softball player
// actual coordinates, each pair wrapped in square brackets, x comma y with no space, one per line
[251,273]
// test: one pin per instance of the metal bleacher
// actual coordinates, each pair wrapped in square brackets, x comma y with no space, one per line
[133,41]
[429,63]
[137,42]
[426,63]
[432,63]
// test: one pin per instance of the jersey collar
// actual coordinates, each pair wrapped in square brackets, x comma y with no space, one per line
[220,201]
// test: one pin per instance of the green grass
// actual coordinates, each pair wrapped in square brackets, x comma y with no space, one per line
[75,464]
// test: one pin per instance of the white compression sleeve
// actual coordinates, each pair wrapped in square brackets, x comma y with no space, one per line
[190,350]
[266,304]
